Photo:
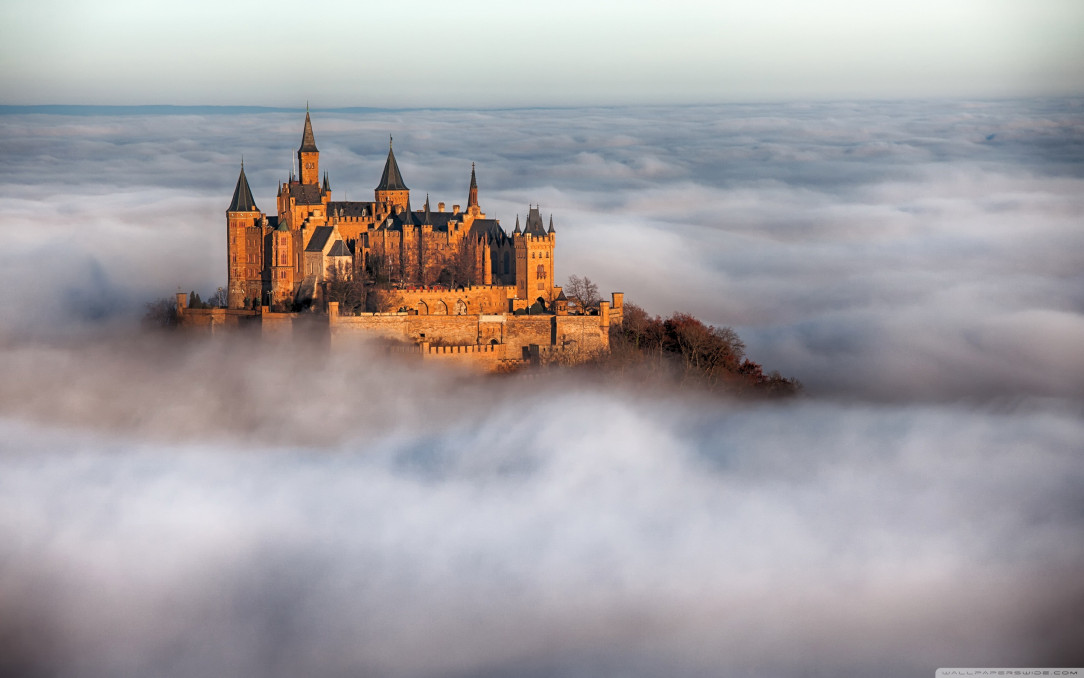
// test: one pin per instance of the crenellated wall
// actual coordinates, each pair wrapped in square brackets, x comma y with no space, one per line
[490,341]
[488,358]
[509,335]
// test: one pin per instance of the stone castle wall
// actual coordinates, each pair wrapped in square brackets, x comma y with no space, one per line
[480,340]
[476,299]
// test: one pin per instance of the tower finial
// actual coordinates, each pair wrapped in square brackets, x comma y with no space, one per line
[390,138]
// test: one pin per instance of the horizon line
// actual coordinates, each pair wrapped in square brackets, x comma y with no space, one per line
[89,109]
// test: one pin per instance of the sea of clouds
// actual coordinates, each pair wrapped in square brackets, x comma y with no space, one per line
[233,507]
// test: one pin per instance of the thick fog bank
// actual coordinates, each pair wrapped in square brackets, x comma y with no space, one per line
[228,506]
[536,530]
[233,507]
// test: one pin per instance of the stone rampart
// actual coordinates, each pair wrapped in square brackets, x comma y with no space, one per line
[484,357]
[468,300]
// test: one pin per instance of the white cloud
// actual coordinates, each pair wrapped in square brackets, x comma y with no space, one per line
[230,507]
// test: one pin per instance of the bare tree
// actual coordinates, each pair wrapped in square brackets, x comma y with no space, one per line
[378,268]
[463,263]
[345,286]
[381,299]
[583,292]
[219,298]
[161,314]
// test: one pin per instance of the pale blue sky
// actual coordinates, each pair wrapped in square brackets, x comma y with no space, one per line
[562,52]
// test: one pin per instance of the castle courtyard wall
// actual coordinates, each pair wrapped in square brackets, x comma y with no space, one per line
[478,299]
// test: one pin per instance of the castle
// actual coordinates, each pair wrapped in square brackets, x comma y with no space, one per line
[459,285]
[281,260]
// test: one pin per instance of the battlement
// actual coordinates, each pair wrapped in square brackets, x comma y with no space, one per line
[487,357]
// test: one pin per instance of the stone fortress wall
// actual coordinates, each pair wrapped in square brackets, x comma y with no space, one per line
[484,341]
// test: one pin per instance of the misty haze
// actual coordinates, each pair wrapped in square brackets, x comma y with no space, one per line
[226,506]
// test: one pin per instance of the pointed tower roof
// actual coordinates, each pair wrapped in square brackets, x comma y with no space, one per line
[308,141]
[534,222]
[427,217]
[406,217]
[551,225]
[517,231]
[472,193]
[242,195]
[391,180]
[327,187]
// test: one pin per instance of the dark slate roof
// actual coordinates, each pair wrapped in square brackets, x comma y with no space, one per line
[473,179]
[440,220]
[391,180]
[551,225]
[327,187]
[517,231]
[305,194]
[561,296]
[406,217]
[490,227]
[534,223]
[350,209]
[308,141]
[242,196]
[339,249]
[319,238]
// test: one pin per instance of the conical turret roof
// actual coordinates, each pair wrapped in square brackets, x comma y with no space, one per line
[391,180]
[308,141]
[427,216]
[242,195]
[406,217]
[551,225]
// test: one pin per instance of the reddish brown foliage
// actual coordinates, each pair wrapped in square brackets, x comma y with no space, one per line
[684,346]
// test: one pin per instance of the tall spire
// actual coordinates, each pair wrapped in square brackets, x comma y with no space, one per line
[517,231]
[391,180]
[427,218]
[242,195]
[551,224]
[308,141]
[472,194]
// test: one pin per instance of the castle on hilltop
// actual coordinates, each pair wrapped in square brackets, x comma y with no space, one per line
[280,260]
[453,284]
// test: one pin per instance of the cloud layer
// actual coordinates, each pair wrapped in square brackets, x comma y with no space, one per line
[234,507]
[392,525]
[891,250]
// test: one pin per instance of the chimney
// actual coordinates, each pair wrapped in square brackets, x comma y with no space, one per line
[440,207]
[455,209]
